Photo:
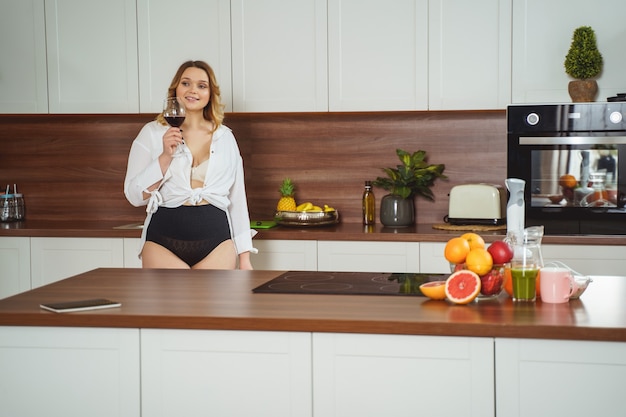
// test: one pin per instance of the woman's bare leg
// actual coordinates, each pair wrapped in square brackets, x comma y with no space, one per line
[154,255]
[222,257]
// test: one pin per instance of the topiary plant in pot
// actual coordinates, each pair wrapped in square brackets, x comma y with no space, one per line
[583,62]
[413,177]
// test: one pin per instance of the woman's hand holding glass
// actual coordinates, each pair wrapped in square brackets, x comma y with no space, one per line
[172,139]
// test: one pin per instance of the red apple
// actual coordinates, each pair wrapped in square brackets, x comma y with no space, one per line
[491,282]
[500,251]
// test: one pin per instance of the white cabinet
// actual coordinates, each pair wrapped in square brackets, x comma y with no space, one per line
[92,56]
[559,378]
[588,259]
[285,255]
[391,375]
[225,373]
[429,54]
[432,260]
[165,43]
[368,256]
[378,55]
[469,60]
[542,35]
[279,55]
[54,259]
[131,252]
[23,76]
[69,372]
[425,257]
[33,262]
[15,261]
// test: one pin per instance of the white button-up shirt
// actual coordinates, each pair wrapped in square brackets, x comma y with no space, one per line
[223,186]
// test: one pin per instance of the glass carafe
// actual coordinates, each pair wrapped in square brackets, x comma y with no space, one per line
[526,262]
[598,196]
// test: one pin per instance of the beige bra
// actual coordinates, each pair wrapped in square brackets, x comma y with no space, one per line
[198,173]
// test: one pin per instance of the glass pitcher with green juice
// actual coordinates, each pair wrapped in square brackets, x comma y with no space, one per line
[526,262]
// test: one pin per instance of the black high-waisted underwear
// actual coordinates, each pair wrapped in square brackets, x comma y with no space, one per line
[190,232]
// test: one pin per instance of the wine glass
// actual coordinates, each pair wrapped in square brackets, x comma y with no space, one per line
[174,114]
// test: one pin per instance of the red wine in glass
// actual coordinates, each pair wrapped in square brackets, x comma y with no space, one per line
[175,121]
[174,114]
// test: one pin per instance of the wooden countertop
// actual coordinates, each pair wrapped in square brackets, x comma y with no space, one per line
[223,300]
[48,228]
[339,232]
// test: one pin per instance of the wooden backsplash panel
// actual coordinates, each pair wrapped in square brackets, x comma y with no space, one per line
[72,166]
[329,156]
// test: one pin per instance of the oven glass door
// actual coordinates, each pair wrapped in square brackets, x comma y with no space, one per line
[574,184]
[574,171]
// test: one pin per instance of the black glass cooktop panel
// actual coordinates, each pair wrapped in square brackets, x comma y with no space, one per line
[348,283]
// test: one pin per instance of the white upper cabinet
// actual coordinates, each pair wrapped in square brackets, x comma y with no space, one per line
[377,55]
[172,33]
[542,35]
[419,55]
[279,55]
[92,56]
[23,83]
[119,56]
[469,55]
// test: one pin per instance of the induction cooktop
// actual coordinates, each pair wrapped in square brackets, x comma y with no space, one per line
[348,283]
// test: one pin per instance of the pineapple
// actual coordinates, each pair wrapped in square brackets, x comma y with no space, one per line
[287,202]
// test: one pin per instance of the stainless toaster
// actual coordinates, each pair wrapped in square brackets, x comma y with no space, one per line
[483,204]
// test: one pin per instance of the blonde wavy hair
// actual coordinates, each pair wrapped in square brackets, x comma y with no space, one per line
[214,110]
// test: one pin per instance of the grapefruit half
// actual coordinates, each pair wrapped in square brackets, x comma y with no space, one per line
[435,290]
[462,287]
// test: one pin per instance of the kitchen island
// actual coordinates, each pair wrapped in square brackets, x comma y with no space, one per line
[197,342]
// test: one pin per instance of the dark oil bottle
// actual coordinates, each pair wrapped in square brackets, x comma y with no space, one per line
[369,204]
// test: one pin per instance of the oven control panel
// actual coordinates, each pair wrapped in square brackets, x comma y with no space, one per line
[574,117]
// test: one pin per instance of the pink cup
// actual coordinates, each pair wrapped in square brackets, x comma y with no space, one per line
[557,284]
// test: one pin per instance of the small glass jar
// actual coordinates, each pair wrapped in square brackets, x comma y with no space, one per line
[20,207]
[7,207]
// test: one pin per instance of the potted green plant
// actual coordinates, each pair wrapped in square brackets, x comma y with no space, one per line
[583,62]
[413,177]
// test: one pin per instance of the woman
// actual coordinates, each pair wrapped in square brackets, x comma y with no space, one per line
[196,200]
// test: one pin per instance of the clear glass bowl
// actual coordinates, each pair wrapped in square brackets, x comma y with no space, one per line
[492,282]
[583,283]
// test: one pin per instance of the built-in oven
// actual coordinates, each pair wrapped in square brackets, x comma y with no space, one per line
[573,159]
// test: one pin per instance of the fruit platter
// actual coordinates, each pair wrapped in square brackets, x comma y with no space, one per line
[307,218]
[477,272]
[288,213]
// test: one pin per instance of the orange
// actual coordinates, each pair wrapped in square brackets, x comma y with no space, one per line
[456,250]
[507,282]
[479,260]
[474,240]
[537,282]
[435,290]
[568,181]
[462,287]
